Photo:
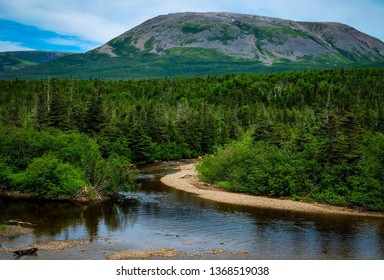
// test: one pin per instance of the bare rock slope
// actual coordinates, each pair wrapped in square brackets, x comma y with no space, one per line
[247,36]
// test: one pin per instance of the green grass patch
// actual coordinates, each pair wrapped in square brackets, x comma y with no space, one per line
[194,28]
[225,185]
[148,46]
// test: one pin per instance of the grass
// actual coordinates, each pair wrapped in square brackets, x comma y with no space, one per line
[194,28]
[224,185]
[11,231]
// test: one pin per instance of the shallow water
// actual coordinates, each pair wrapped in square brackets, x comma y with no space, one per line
[162,217]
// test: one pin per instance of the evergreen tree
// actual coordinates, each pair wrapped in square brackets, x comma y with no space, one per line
[140,144]
[95,118]
[57,107]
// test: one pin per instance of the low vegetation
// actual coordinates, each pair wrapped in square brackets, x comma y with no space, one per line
[302,171]
[12,231]
[57,165]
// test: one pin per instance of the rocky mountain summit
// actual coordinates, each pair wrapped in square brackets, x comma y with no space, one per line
[247,36]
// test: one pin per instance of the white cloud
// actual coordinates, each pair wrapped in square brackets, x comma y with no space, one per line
[84,45]
[6,46]
[64,17]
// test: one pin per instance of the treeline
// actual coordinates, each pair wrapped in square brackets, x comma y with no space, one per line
[302,170]
[139,121]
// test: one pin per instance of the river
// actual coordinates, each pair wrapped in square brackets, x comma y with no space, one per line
[162,217]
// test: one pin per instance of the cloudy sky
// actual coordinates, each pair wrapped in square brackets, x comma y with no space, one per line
[81,25]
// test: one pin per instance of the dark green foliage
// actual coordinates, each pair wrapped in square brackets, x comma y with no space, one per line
[341,133]
[140,145]
[258,168]
[57,107]
[94,115]
[264,169]
[309,135]
[119,175]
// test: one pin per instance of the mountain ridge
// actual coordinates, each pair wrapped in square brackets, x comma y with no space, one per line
[247,36]
[14,60]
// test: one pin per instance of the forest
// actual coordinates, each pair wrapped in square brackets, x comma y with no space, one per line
[312,135]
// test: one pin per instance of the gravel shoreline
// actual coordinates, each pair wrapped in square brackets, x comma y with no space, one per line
[186,180]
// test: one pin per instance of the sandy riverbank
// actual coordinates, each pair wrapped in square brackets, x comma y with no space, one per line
[186,180]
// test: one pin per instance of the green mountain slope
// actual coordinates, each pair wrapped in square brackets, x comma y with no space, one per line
[8,62]
[21,59]
[190,44]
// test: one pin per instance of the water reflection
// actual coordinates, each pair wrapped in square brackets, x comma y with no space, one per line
[164,217]
[57,218]
[318,236]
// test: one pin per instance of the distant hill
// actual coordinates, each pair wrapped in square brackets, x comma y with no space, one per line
[20,59]
[191,44]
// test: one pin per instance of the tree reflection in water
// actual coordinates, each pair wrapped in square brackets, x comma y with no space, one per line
[68,219]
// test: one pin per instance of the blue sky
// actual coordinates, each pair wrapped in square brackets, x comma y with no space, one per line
[81,25]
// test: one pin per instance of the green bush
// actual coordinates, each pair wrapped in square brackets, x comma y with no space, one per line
[48,177]
[262,168]
[5,172]
[55,165]
[258,168]
[331,197]
[167,150]
[119,175]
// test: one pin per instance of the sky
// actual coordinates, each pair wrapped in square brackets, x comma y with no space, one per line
[82,25]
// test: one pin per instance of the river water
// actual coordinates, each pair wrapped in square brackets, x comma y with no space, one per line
[162,217]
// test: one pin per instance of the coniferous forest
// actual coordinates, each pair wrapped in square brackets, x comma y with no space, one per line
[313,136]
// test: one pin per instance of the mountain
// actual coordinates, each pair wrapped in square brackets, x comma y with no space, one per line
[21,59]
[263,39]
[217,43]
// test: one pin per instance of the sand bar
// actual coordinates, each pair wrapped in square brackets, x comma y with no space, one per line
[185,179]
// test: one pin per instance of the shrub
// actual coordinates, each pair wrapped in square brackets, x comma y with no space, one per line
[48,177]
[255,167]
[119,175]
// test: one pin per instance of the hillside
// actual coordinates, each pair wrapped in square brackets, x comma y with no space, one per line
[191,44]
[264,39]
[21,59]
